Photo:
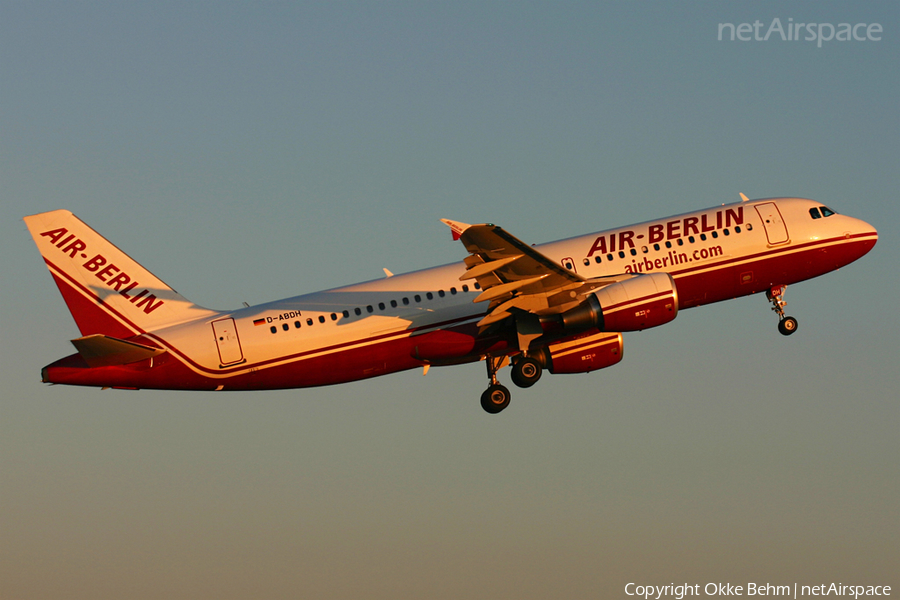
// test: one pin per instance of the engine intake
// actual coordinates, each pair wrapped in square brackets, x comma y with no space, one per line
[638,303]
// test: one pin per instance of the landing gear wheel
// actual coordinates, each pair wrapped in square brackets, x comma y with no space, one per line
[787,325]
[526,372]
[495,398]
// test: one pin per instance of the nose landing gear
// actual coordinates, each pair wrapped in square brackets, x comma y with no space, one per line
[786,325]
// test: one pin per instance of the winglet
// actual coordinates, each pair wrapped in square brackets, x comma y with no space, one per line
[456,227]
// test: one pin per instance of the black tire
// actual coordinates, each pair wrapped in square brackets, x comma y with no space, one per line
[526,372]
[787,325]
[495,398]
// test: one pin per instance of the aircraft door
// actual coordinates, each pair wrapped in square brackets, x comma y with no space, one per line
[569,264]
[776,230]
[227,341]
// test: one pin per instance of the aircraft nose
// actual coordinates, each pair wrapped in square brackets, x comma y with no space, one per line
[867,230]
[865,235]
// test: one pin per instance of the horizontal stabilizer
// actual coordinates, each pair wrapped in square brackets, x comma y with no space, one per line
[104,351]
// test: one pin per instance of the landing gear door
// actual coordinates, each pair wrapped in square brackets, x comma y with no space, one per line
[776,230]
[227,342]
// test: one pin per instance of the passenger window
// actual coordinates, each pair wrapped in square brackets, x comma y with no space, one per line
[814,213]
[358,311]
[644,249]
[715,234]
[587,262]
[334,316]
[441,293]
[393,304]
[737,229]
[321,318]
[370,309]
[272,329]
[680,241]
[726,232]
[346,314]
[285,326]
[465,288]
[609,257]
[477,286]
[297,324]
[418,298]
[453,290]
[702,237]
[668,244]
[405,301]
[621,254]
[656,247]
[597,259]
[308,322]
[430,296]
[381,306]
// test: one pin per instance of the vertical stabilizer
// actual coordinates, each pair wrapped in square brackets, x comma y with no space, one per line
[106,291]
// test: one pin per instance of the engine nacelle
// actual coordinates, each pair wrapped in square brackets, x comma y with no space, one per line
[581,354]
[638,303]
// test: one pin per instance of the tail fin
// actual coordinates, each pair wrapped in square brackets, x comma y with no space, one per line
[106,291]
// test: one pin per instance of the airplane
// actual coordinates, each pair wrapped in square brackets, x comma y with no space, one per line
[559,307]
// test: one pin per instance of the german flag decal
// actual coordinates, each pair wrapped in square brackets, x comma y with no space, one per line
[259,322]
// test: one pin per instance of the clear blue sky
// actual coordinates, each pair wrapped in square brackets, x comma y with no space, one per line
[252,151]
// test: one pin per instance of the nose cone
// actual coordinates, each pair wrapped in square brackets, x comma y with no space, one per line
[867,232]
[862,235]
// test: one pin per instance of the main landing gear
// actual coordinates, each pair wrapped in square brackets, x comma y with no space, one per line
[525,373]
[496,397]
[786,325]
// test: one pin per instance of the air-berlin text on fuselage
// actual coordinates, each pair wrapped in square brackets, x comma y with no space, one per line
[103,270]
[670,230]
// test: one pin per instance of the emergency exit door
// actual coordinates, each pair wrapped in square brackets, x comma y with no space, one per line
[776,230]
[227,341]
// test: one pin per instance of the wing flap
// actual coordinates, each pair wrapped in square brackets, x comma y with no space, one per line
[480,270]
[512,274]
[503,289]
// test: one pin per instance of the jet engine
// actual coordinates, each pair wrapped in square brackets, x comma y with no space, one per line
[581,354]
[642,302]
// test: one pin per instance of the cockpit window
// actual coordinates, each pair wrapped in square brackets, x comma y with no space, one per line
[826,212]
[814,213]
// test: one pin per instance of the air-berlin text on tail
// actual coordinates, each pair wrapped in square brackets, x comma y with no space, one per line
[70,245]
[670,230]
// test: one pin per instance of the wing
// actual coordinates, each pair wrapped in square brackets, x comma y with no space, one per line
[515,277]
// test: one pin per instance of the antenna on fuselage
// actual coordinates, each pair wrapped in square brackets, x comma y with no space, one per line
[743,197]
